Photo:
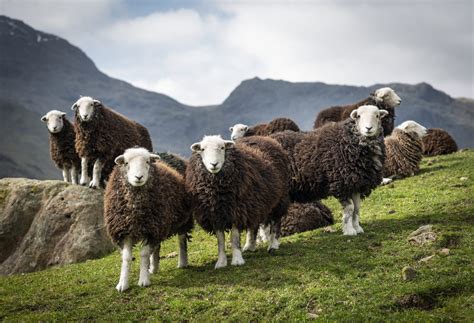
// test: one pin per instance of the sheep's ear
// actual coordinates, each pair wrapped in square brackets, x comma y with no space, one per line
[63,114]
[354,114]
[383,113]
[154,157]
[96,103]
[246,128]
[229,144]
[120,160]
[231,129]
[196,147]
[74,107]
[44,119]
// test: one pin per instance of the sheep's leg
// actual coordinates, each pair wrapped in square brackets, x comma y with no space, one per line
[155,260]
[251,242]
[126,260]
[84,174]
[222,258]
[347,227]
[356,215]
[237,259]
[263,234]
[386,180]
[183,251]
[73,173]
[145,254]
[273,243]
[97,172]
[66,177]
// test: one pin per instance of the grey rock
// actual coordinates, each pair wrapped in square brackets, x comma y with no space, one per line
[408,273]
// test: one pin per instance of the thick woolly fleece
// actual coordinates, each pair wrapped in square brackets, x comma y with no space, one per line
[248,191]
[274,126]
[174,161]
[340,113]
[107,135]
[150,213]
[404,154]
[303,217]
[61,147]
[334,160]
[438,142]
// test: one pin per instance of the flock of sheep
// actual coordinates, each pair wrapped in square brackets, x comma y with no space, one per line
[267,180]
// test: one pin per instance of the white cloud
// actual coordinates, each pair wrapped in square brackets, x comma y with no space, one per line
[199,57]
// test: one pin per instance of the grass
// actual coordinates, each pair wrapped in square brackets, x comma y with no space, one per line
[314,274]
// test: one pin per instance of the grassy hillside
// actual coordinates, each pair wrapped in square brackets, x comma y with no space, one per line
[314,275]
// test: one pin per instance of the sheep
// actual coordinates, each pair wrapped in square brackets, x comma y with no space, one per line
[174,161]
[236,186]
[384,98]
[438,142]
[61,144]
[404,150]
[101,135]
[303,217]
[342,159]
[276,125]
[145,201]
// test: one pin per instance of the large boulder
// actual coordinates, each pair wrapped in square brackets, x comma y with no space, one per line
[45,223]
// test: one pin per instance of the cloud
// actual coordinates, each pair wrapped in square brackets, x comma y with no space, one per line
[199,56]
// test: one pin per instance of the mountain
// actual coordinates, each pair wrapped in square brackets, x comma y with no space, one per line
[40,72]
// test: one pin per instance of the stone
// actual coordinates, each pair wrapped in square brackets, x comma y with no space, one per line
[426,259]
[46,223]
[408,273]
[422,235]
[444,251]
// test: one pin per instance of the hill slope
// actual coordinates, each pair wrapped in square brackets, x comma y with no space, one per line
[314,274]
[41,72]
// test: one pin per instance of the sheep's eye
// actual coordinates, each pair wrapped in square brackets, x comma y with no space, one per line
[222,148]
[126,164]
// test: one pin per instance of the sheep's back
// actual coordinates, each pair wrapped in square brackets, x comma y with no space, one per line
[438,142]
[403,154]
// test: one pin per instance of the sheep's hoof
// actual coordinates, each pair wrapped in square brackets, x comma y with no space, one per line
[236,261]
[349,232]
[93,185]
[121,287]
[251,248]
[271,251]
[144,282]
[359,229]
[221,263]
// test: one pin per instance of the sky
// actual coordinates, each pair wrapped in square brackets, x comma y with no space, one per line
[198,51]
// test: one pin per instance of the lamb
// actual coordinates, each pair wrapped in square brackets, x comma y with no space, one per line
[61,144]
[384,98]
[237,186]
[101,135]
[276,125]
[343,159]
[438,142]
[404,150]
[145,201]
[303,217]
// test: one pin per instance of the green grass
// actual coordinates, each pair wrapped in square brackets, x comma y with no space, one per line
[321,274]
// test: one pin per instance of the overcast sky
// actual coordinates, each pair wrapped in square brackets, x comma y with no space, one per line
[199,51]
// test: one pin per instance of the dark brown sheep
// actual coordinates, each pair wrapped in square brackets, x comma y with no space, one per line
[146,201]
[174,161]
[343,159]
[236,187]
[303,217]
[101,135]
[61,144]
[404,153]
[384,98]
[438,142]
[263,129]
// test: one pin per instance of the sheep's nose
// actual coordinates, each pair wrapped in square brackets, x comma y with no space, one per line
[139,177]
[54,128]
[368,128]
[214,164]
[85,116]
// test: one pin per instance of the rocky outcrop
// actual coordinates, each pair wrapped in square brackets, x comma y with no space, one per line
[46,223]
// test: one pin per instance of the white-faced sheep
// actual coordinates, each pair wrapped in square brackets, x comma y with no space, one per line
[101,135]
[145,201]
[384,98]
[343,159]
[264,129]
[404,150]
[61,144]
[237,186]
[438,142]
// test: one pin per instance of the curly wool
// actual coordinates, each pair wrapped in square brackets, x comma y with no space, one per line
[438,142]
[107,135]
[151,213]
[334,160]
[61,147]
[174,161]
[404,154]
[303,217]
[247,191]
[340,113]
[274,126]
